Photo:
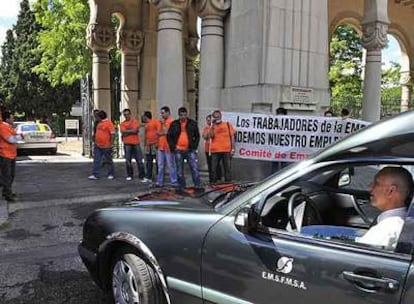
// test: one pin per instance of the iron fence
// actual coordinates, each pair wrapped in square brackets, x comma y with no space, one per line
[389,106]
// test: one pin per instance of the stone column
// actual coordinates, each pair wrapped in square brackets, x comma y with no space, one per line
[130,43]
[191,54]
[211,83]
[406,82]
[170,55]
[374,26]
[101,38]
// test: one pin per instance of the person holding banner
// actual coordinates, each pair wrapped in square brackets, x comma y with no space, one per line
[222,146]
[207,150]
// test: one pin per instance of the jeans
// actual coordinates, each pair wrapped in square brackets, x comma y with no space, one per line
[166,158]
[7,171]
[225,158]
[191,157]
[102,156]
[134,152]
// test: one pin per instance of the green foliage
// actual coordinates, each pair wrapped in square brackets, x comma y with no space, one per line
[64,56]
[6,68]
[345,64]
[345,75]
[23,90]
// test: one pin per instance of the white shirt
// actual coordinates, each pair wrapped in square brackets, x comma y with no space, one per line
[387,231]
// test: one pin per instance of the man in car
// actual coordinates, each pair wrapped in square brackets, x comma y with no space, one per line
[391,193]
[8,153]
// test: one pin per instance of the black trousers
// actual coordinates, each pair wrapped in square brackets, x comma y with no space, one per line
[217,159]
[7,169]
[219,171]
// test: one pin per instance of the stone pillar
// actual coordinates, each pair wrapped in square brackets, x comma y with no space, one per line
[170,55]
[406,82]
[374,26]
[101,39]
[211,83]
[130,43]
[191,54]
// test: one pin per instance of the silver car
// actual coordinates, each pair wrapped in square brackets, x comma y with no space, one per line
[36,136]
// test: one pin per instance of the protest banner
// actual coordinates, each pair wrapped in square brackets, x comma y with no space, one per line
[286,138]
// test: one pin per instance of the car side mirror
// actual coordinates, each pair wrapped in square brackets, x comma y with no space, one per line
[246,219]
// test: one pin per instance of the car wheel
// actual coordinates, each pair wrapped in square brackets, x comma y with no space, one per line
[133,280]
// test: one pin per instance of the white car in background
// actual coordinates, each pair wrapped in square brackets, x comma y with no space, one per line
[36,136]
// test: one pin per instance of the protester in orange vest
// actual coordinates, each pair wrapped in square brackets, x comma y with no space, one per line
[150,144]
[221,146]
[8,153]
[102,150]
[207,151]
[164,155]
[130,137]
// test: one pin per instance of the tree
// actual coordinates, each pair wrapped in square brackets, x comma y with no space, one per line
[24,90]
[345,68]
[6,75]
[391,89]
[64,56]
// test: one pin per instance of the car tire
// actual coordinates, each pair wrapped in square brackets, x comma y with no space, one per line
[133,281]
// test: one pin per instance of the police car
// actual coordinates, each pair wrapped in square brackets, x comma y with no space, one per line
[36,137]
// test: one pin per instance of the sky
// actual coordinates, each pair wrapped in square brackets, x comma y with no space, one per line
[8,13]
[10,8]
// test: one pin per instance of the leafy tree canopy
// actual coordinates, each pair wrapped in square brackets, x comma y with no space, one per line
[23,90]
[64,56]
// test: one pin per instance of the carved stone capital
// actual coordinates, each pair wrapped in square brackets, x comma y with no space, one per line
[191,47]
[374,35]
[130,41]
[212,7]
[177,4]
[100,37]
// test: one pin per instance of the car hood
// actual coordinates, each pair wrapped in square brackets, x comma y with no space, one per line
[203,200]
[184,204]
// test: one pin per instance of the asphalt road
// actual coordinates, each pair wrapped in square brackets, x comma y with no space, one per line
[39,262]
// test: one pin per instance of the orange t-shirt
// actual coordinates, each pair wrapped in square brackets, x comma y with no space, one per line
[182,142]
[104,130]
[130,139]
[151,128]
[222,140]
[162,139]
[206,130]
[7,150]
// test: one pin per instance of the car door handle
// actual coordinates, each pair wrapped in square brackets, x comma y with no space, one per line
[369,283]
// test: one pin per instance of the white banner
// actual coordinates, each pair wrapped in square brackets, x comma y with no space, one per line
[286,138]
